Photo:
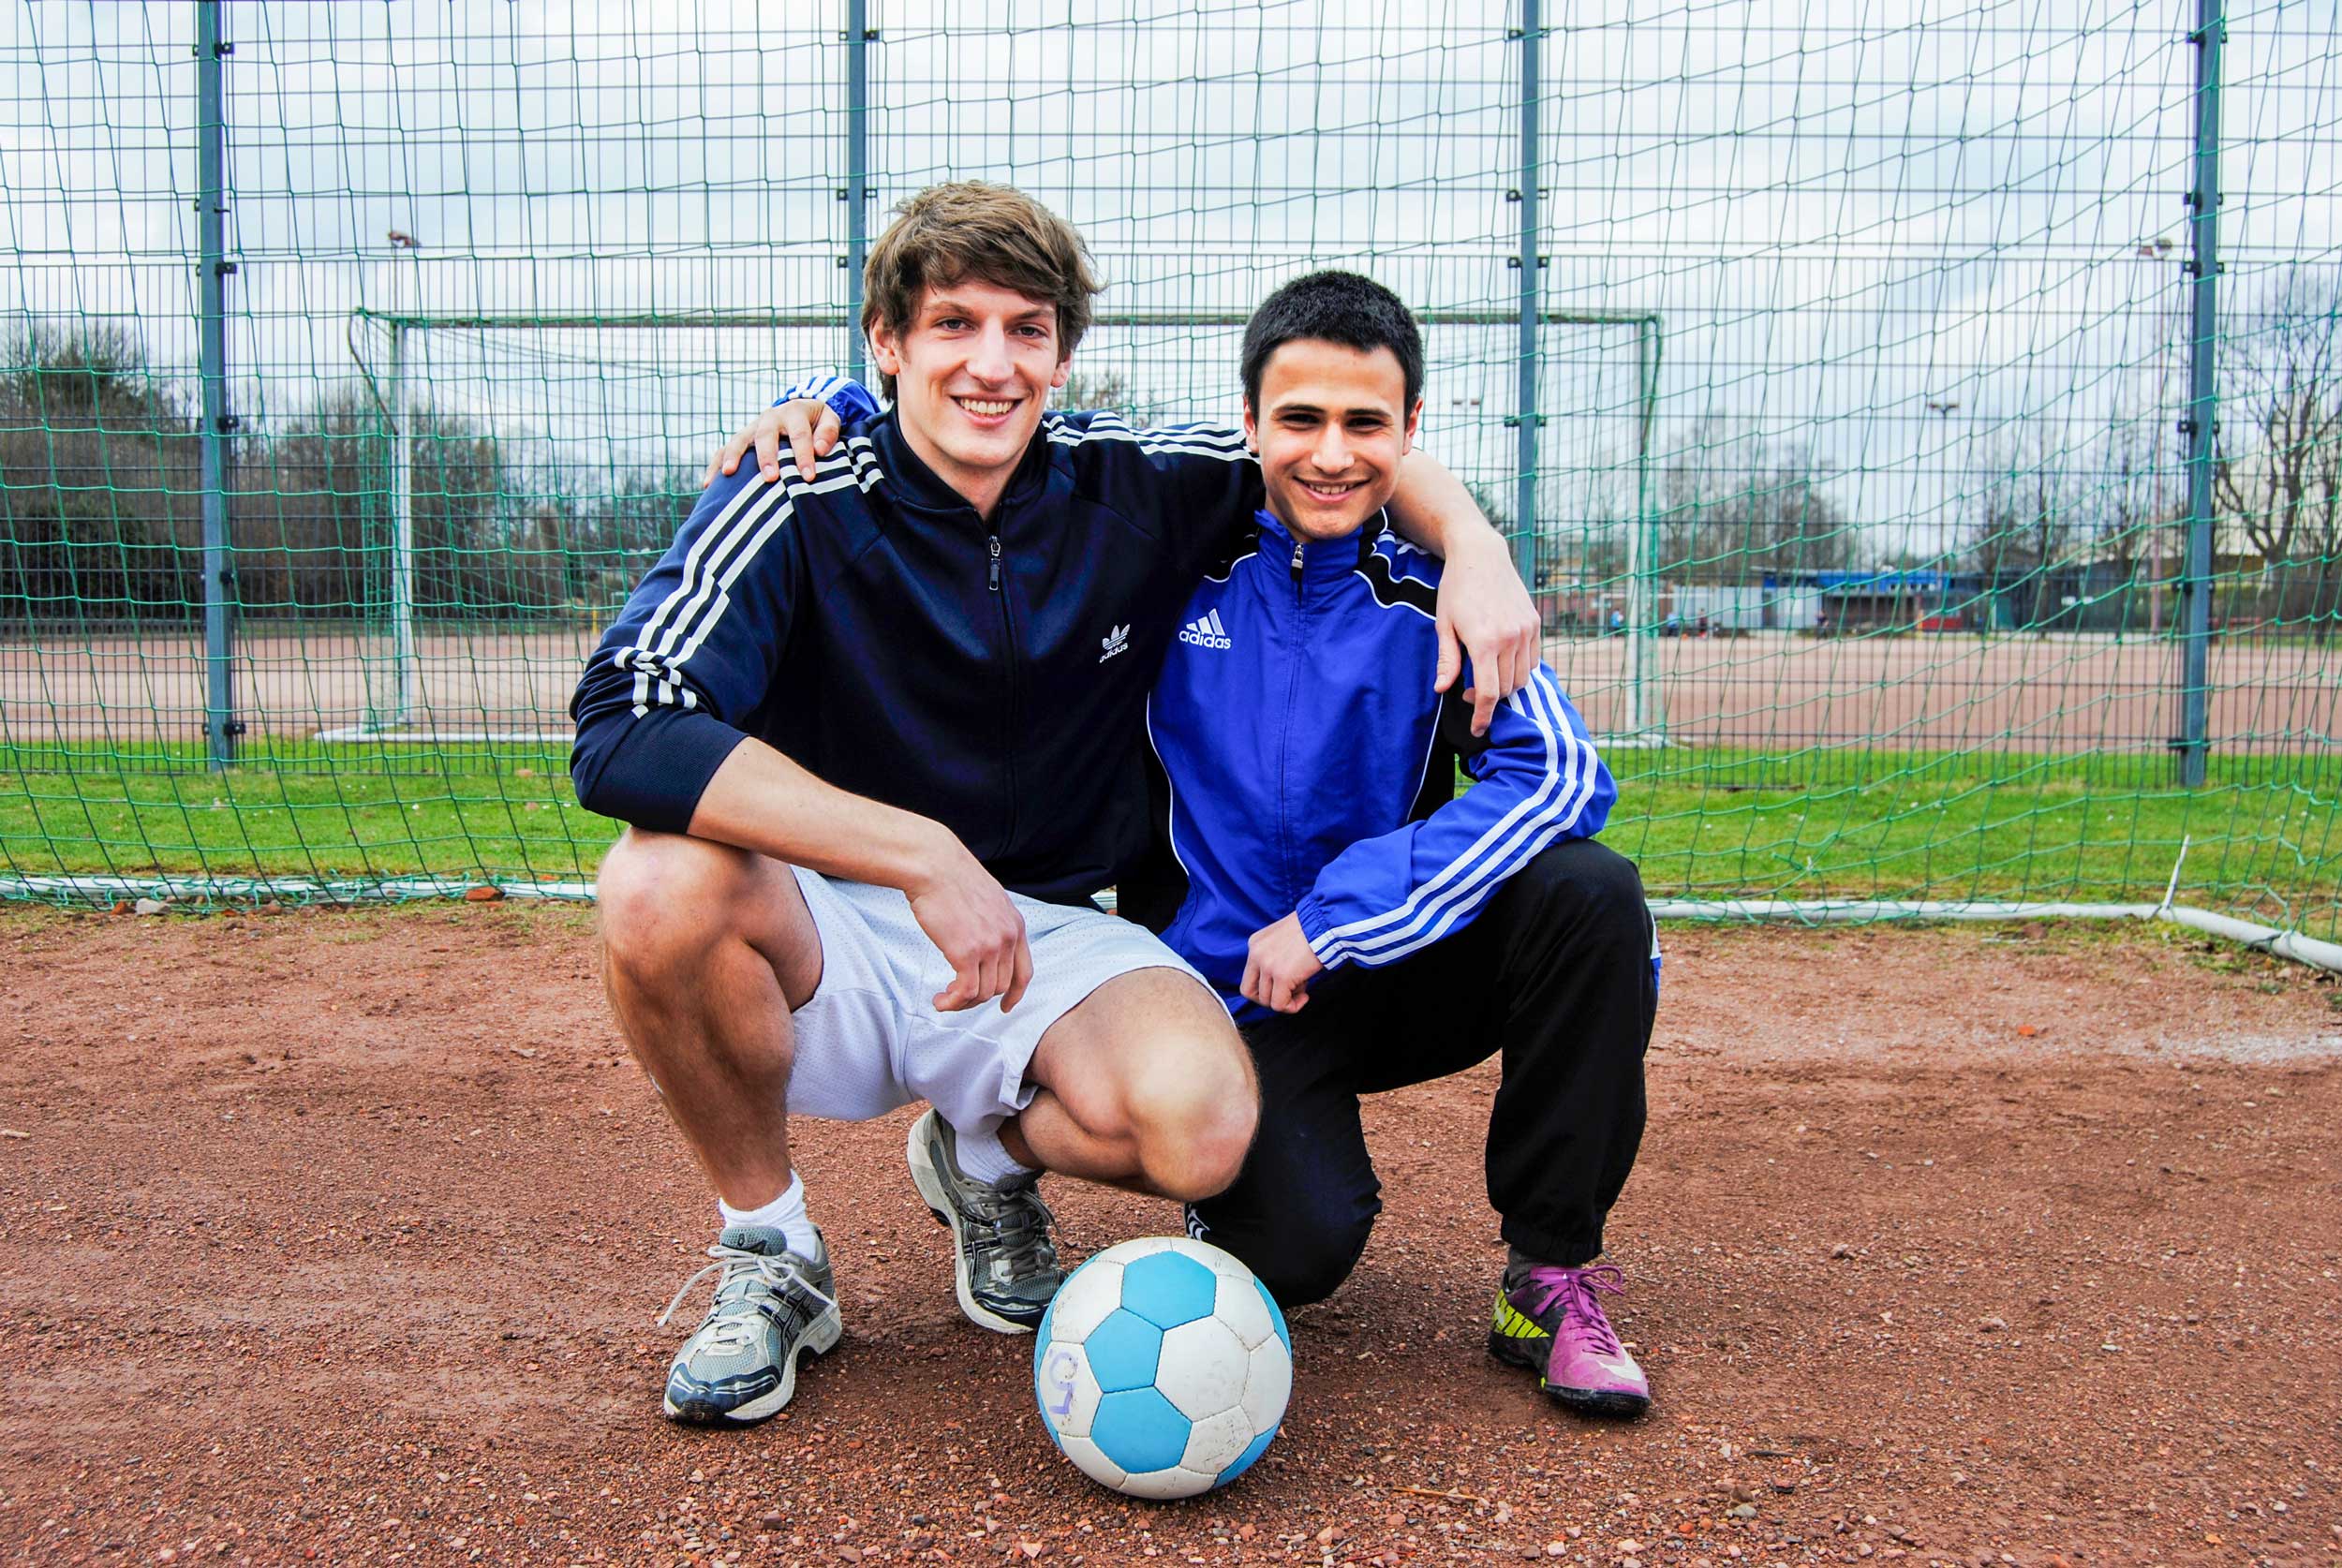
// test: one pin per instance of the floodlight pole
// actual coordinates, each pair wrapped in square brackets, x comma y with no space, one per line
[2201,424]
[221,726]
[856,195]
[1527,418]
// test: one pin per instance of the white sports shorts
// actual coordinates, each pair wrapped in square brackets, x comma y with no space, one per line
[869,1038]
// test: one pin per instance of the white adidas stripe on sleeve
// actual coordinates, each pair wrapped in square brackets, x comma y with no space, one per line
[1528,827]
[697,603]
[1195,440]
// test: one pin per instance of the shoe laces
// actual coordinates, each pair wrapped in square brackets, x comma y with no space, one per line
[784,1276]
[1573,1290]
[1016,1222]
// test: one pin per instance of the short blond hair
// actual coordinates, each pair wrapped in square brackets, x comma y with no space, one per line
[996,234]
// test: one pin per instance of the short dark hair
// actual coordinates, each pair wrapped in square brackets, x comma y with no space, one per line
[1333,307]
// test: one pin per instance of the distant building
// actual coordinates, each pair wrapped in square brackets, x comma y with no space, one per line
[1832,603]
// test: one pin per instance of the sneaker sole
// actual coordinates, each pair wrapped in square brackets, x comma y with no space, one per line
[1585,1401]
[821,1337]
[937,1194]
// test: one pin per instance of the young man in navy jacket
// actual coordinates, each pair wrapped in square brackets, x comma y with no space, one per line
[1361,943]
[875,729]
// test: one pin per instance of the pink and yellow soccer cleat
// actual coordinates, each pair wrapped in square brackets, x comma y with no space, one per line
[1551,1321]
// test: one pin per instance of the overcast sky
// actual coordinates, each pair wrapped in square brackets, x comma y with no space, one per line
[1835,217]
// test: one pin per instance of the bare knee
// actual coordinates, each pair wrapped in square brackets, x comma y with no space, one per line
[667,899]
[1195,1116]
[1152,1065]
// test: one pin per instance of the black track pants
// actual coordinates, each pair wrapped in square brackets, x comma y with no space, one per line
[1556,975]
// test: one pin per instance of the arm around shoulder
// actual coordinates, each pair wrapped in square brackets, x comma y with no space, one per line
[1485,612]
[1189,479]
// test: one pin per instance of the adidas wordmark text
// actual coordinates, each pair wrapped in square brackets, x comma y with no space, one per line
[1206,631]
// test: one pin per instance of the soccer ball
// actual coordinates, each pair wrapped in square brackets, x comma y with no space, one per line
[1162,1368]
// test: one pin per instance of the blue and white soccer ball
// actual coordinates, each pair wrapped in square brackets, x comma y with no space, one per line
[1162,1368]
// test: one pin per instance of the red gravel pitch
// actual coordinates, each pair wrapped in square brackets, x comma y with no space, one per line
[338,1236]
[1770,690]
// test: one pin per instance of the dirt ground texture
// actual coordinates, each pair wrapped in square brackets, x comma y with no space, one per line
[338,1236]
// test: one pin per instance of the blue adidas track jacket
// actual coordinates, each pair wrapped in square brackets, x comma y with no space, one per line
[1296,725]
[989,674]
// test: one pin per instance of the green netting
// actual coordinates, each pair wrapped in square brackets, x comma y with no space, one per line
[1860,490]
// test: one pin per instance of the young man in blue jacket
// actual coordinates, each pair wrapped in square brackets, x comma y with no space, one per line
[876,730]
[1361,943]
[1364,935]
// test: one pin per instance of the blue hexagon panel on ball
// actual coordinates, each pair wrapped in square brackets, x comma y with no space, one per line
[1162,1368]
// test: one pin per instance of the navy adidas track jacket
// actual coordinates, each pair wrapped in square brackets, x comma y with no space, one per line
[1296,728]
[871,627]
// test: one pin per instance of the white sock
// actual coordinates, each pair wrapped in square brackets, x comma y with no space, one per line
[983,1156]
[785,1214]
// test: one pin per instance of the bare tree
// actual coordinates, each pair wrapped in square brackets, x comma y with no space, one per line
[312,521]
[1108,388]
[2282,368]
[2028,523]
[1735,507]
[101,509]
[621,532]
[2128,505]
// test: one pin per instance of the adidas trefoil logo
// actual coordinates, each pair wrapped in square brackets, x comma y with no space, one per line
[1206,631]
[1116,641]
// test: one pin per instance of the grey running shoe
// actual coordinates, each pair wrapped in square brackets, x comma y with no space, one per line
[1004,1262]
[772,1307]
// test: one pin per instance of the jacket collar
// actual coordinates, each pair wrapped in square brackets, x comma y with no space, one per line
[1322,560]
[914,484]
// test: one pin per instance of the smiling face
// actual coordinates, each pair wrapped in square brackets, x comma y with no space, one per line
[1330,425]
[972,372]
